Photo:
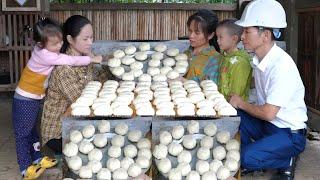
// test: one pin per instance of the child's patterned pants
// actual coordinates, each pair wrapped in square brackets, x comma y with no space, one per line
[25,114]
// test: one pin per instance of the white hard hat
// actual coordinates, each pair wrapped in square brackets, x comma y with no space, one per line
[263,13]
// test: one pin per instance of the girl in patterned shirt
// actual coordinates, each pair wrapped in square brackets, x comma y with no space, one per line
[31,89]
[203,55]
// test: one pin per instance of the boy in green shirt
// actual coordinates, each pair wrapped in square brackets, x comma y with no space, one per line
[235,68]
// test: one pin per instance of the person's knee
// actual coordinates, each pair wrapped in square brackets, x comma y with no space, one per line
[249,159]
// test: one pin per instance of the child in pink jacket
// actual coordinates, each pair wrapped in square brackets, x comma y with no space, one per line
[31,89]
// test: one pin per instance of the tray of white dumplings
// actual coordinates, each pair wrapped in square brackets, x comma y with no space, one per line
[100,149]
[194,150]
[145,61]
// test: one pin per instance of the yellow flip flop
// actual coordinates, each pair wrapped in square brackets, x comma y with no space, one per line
[47,162]
[33,172]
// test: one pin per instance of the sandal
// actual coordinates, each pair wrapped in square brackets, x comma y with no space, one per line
[47,162]
[33,172]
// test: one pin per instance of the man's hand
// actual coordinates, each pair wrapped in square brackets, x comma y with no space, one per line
[236,101]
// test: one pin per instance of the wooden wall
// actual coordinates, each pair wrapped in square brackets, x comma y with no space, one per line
[309,56]
[15,46]
[137,24]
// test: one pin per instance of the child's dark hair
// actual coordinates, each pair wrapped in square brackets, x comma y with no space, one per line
[207,20]
[45,28]
[233,29]
[72,27]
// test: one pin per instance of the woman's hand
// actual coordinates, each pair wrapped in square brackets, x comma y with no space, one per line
[96,59]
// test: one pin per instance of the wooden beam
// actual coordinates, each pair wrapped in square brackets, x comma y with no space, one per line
[142,6]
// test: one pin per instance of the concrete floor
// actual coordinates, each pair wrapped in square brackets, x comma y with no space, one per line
[308,166]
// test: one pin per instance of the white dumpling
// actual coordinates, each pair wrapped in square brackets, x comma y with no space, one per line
[160,47]
[70,149]
[143,162]
[223,137]
[134,170]
[184,157]
[181,57]
[85,172]
[223,173]
[130,50]
[173,74]
[210,129]
[104,126]
[185,168]
[136,65]
[193,127]
[145,77]
[75,136]
[104,173]
[175,149]
[193,175]
[95,155]
[209,175]
[88,131]
[135,135]
[113,164]
[215,165]
[145,152]
[207,141]
[74,163]
[85,146]
[118,54]
[160,151]
[114,62]
[144,143]
[114,151]
[141,56]
[165,69]
[95,166]
[177,132]
[203,153]
[172,52]
[144,46]
[126,162]
[127,60]
[233,144]
[169,62]
[219,153]
[130,151]
[121,129]
[189,142]
[164,165]
[117,140]
[175,174]
[127,76]
[120,174]
[157,55]
[202,166]
[234,154]
[231,164]
[165,137]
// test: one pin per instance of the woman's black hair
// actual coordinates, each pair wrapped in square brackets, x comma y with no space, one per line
[44,28]
[232,28]
[73,27]
[207,20]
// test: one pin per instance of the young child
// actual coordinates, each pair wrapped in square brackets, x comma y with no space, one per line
[203,46]
[31,89]
[235,68]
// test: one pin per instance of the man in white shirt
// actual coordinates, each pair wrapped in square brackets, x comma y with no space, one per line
[273,129]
